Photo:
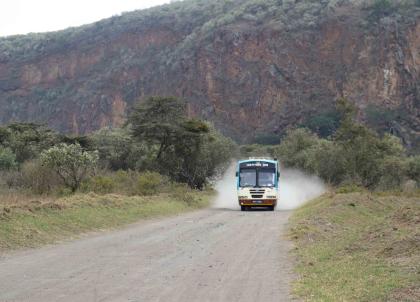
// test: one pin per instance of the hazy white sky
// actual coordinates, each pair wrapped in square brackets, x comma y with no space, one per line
[24,16]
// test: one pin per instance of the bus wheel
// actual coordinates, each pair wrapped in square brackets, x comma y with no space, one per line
[271,208]
[243,208]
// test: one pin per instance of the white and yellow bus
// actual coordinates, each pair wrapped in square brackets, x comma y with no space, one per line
[257,183]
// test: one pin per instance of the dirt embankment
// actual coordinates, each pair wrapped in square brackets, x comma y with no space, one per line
[359,247]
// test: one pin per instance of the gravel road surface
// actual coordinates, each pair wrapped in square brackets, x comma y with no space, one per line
[208,255]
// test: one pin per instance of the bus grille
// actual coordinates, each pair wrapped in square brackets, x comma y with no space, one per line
[257,193]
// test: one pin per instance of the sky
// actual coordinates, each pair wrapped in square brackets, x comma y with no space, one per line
[25,16]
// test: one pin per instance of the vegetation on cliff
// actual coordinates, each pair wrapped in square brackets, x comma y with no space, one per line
[198,19]
[284,60]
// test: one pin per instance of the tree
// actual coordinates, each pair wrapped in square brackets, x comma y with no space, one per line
[182,143]
[202,154]
[158,120]
[181,159]
[27,140]
[118,150]
[71,163]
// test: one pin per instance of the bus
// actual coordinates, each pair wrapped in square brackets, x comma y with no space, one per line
[257,183]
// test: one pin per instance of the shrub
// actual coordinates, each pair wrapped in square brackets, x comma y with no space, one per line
[38,178]
[354,154]
[413,168]
[293,150]
[148,183]
[99,184]
[7,159]
[393,173]
[71,163]
[328,162]
[183,193]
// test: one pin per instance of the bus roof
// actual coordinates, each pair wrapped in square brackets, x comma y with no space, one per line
[258,159]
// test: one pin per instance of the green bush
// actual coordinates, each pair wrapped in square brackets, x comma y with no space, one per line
[148,183]
[353,155]
[328,162]
[393,173]
[126,183]
[99,184]
[295,149]
[413,168]
[7,159]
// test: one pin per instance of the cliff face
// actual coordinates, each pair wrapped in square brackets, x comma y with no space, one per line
[250,76]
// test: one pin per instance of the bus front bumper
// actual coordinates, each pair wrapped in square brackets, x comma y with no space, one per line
[258,202]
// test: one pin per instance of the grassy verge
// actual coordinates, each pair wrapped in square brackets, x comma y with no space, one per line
[358,247]
[33,222]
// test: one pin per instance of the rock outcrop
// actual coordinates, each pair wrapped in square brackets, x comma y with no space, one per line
[251,68]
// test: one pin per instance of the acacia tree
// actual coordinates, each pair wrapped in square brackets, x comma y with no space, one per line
[71,163]
[180,140]
[158,120]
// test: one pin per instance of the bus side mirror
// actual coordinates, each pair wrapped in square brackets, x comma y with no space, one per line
[236,174]
[278,174]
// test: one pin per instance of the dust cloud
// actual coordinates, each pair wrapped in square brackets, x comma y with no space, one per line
[227,196]
[295,188]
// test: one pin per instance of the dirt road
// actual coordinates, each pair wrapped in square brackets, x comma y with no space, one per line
[209,255]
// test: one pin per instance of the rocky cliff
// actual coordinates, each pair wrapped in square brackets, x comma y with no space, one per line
[252,67]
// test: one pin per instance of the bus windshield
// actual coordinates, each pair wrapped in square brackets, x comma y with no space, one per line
[266,178]
[248,178]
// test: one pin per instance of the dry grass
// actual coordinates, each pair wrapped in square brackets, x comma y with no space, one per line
[19,199]
[358,247]
[28,221]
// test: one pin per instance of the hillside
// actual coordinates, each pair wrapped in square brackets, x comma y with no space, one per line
[252,67]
